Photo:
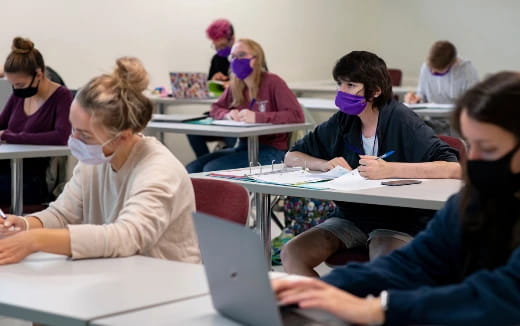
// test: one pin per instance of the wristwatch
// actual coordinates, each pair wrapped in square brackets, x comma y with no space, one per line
[383,297]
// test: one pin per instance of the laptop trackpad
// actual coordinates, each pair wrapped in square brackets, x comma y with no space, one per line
[308,317]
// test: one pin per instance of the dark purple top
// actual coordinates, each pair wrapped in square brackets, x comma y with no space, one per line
[49,125]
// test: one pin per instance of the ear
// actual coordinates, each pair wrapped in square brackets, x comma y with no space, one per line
[39,73]
[126,134]
[377,93]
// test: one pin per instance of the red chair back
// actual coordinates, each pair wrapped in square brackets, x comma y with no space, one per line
[396,75]
[456,143]
[224,199]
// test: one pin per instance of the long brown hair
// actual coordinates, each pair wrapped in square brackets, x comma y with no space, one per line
[490,224]
[237,86]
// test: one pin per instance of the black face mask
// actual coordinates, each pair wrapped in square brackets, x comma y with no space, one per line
[27,91]
[492,178]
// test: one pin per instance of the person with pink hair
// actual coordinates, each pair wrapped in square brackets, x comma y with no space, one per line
[222,35]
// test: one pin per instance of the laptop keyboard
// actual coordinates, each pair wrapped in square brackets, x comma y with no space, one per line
[292,318]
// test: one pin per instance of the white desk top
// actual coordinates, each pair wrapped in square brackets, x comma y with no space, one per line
[9,151]
[193,312]
[225,131]
[430,194]
[54,290]
[330,87]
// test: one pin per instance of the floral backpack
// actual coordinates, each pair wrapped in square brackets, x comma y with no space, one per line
[300,214]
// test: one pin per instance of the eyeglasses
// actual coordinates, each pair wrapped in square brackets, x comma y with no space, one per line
[240,55]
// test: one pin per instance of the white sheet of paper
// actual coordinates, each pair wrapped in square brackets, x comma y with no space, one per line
[288,178]
[348,182]
[430,106]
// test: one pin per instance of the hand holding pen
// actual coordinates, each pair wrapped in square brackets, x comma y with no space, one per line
[375,167]
[11,224]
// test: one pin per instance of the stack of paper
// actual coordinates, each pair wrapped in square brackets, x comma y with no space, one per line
[348,182]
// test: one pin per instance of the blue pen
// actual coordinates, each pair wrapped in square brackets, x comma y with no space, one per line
[385,155]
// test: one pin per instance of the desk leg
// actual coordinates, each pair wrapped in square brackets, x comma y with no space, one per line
[161,108]
[17,186]
[264,223]
[252,149]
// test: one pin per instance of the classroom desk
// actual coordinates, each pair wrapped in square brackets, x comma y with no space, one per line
[162,102]
[430,194]
[54,290]
[16,153]
[251,133]
[329,87]
[320,104]
[193,312]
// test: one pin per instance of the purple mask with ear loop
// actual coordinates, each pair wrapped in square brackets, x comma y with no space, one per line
[350,104]
[225,52]
[241,67]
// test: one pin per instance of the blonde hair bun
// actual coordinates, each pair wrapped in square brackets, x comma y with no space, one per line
[22,45]
[130,73]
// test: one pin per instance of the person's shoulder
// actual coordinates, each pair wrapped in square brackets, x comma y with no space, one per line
[396,110]
[465,65]
[63,92]
[272,79]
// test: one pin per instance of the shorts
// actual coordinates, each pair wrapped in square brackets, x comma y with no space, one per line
[352,236]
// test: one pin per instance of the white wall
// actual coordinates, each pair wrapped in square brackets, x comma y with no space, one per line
[80,39]
[302,38]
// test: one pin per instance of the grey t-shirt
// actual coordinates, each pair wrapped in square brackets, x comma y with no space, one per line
[446,89]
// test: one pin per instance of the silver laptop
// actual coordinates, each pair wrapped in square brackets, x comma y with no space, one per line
[5,92]
[236,270]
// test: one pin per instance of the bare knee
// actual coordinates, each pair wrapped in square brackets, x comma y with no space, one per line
[308,250]
[384,242]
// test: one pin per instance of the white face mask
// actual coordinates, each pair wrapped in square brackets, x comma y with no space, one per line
[89,154]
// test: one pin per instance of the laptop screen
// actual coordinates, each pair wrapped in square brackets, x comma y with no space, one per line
[189,84]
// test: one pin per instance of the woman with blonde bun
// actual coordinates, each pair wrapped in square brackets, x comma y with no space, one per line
[128,194]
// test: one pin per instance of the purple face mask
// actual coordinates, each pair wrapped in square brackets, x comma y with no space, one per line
[225,52]
[241,67]
[350,104]
[440,74]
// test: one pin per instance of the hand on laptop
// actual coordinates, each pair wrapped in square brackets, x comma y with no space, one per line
[308,292]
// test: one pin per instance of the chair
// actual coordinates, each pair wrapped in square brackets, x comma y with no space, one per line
[396,75]
[456,143]
[224,199]
[360,254]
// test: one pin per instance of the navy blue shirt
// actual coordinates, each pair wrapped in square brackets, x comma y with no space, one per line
[399,129]
[424,284]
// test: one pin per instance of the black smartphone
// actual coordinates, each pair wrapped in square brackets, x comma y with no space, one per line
[400,182]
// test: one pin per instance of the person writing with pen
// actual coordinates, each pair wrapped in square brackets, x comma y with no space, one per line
[382,139]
